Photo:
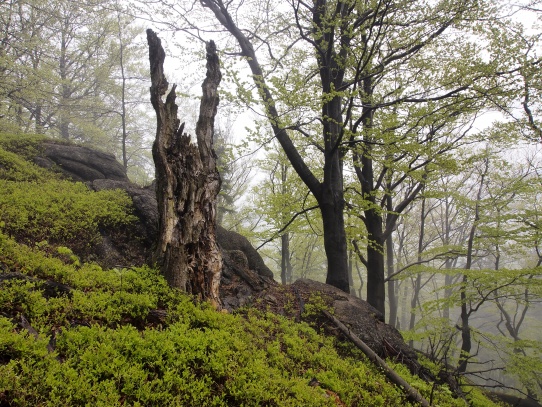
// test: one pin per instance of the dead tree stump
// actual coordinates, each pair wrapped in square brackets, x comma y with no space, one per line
[187,183]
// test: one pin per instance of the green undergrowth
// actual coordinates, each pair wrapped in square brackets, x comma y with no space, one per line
[37,207]
[60,212]
[17,155]
[74,334]
[104,351]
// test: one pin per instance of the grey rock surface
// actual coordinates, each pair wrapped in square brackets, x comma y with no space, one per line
[81,163]
[230,240]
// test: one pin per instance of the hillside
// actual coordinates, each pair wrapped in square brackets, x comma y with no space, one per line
[78,330]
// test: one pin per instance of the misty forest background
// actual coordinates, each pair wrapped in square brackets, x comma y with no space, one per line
[454,145]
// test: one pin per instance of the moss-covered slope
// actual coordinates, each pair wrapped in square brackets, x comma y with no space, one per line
[74,334]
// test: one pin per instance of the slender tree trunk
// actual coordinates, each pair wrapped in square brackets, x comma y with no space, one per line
[418,282]
[447,291]
[38,110]
[123,94]
[376,286]
[448,263]
[404,309]
[285,265]
[351,271]
[403,287]
[466,334]
[466,338]
[392,297]
[38,120]
[65,92]
[188,183]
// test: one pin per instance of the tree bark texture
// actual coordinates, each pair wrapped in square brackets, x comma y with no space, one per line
[376,286]
[187,183]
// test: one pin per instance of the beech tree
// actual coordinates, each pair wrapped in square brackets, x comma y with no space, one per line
[484,263]
[383,88]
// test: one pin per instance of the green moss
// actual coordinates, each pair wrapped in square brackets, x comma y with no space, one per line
[61,212]
[26,146]
[104,354]
[15,168]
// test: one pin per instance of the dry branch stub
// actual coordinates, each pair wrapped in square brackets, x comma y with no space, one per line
[388,371]
[187,183]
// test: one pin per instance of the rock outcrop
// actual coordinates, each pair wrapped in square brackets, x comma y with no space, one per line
[230,240]
[245,273]
[144,201]
[365,321]
[80,163]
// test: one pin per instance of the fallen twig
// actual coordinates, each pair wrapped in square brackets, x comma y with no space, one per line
[391,374]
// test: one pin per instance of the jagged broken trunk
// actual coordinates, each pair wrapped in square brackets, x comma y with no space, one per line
[187,183]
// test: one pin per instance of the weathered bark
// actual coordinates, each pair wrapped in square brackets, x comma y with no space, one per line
[187,183]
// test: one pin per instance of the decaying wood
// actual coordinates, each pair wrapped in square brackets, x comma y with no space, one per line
[388,371]
[187,183]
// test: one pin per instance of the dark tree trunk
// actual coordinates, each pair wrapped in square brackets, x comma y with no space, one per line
[392,297]
[466,310]
[329,193]
[417,285]
[363,165]
[187,183]
[285,264]
[335,245]
[448,279]
[331,201]
[466,336]
[376,286]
